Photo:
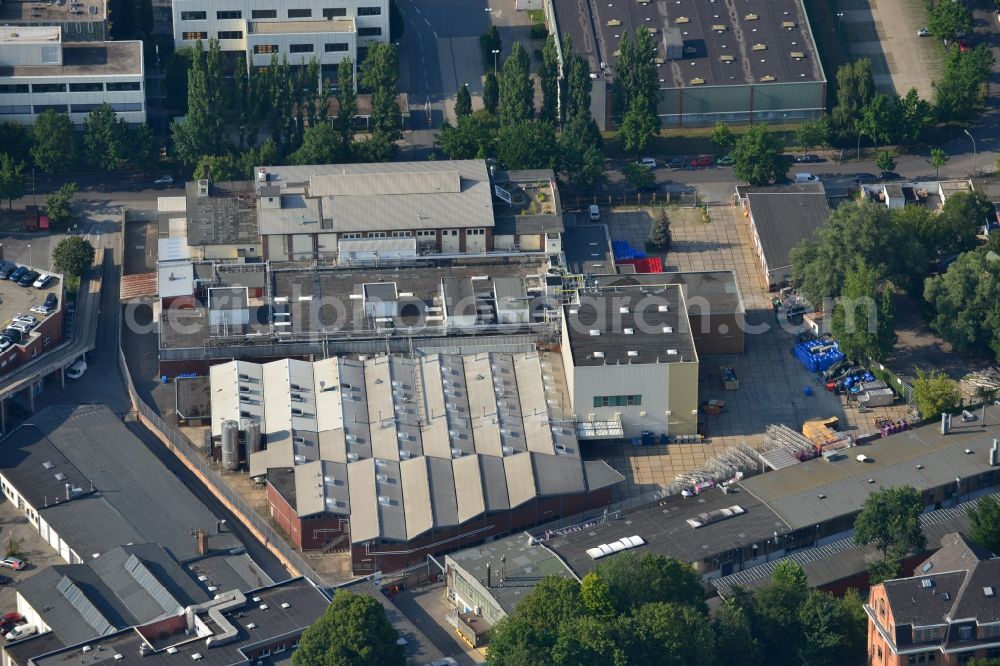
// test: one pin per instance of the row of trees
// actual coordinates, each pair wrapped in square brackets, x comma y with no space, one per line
[561,134]
[52,146]
[650,610]
[283,113]
[865,250]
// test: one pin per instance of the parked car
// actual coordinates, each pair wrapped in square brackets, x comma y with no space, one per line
[805,177]
[21,327]
[164,180]
[13,563]
[923,32]
[12,334]
[26,319]
[725,160]
[4,580]
[861,178]
[77,369]
[28,279]
[889,175]
[5,344]
[9,620]
[6,271]
[647,162]
[808,159]
[43,281]
[21,631]
[18,273]
[963,45]
[677,163]
[702,161]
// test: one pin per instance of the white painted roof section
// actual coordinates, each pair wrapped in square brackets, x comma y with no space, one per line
[277,454]
[384,184]
[168,249]
[534,411]
[378,387]
[364,503]
[482,404]
[326,385]
[277,403]
[416,496]
[520,478]
[309,495]
[174,278]
[24,34]
[468,487]
[225,396]
[434,433]
[171,204]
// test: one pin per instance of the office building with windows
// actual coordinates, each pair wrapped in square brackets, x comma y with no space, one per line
[327,30]
[38,72]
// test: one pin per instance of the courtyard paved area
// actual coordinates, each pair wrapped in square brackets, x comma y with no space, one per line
[772,382]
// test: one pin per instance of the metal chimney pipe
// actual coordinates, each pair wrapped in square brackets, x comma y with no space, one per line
[489,576]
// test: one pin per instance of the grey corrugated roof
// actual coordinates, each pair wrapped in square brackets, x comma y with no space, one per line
[127,480]
[420,205]
[784,219]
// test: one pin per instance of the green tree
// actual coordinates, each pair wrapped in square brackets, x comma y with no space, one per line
[722,138]
[463,102]
[857,321]
[757,157]
[16,140]
[59,206]
[639,175]
[73,256]
[855,87]
[917,116]
[527,145]
[890,519]
[581,155]
[961,218]
[938,159]
[670,635]
[347,107]
[947,20]
[935,393]
[12,183]
[491,92]
[812,134]
[265,153]
[141,151]
[54,149]
[380,74]
[488,43]
[353,631]
[637,127]
[659,232]
[966,303]
[984,523]
[472,137]
[175,83]
[548,75]
[776,608]
[984,662]
[578,87]
[105,138]
[880,118]
[585,640]
[596,597]
[219,168]
[856,233]
[961,91]
[633,581]
[321,144]
[194,136]
[734,637]
[517,92]
[855,626]
[885,161]
[825,627]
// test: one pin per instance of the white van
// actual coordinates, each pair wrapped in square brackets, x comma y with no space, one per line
[805,177]
[77,369]
[21,631]
[595,212]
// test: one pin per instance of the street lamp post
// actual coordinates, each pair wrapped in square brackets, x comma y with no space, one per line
[29,255]
[973,150]
[495,52]
[840,37]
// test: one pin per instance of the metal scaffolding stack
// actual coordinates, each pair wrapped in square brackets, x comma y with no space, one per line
[725,466]
[783,447]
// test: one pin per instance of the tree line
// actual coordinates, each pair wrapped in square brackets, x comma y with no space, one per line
[282,113]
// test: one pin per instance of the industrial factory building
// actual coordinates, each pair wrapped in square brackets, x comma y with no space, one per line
[396,457]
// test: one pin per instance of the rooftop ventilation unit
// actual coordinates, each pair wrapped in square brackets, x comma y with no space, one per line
[352,457]
[595,331]
[668,329]
[633,353]
[623,309]
[384,500]
[598,354]
[629,331]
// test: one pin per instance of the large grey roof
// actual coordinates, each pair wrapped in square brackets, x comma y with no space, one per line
[784,218]
[379,196]
[227,216]
[129,484]
[705,292]
[820,490]
[125,586]
[269,615]
[405,445]
[630,325]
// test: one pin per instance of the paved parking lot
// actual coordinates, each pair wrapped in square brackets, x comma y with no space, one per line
[772,382]
[885,31]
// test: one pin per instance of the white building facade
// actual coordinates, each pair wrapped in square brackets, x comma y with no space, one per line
[38,72]
[327,26]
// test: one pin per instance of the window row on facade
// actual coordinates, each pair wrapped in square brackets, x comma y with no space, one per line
[22,88]
[22,109]
[328,12]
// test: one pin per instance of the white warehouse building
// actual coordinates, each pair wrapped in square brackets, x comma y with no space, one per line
[38,72]
[328,30]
